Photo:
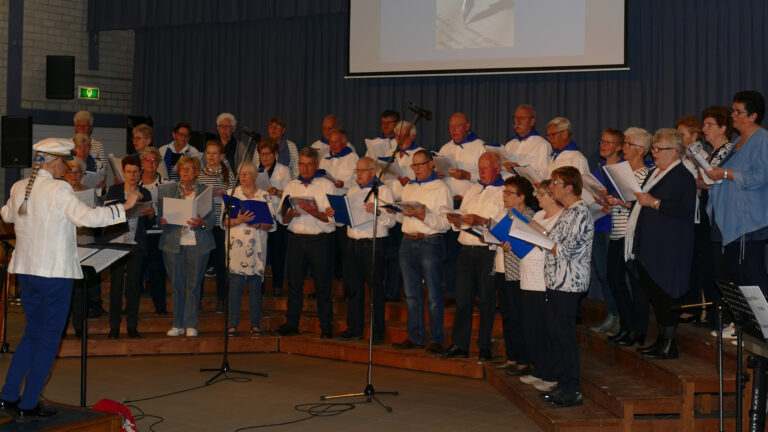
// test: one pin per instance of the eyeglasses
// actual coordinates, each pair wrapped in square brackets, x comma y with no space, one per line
[550,135]
[359,170]
[519,118]
[608,142]
[735,112]
[557,182]
[658,149]
[627,143]
[506,192]
[150,160]
[419,164]
[181,134]
[304,164]
[707,124]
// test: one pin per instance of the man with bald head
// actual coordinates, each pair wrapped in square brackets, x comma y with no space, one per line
[527,147]
[483,204]
[330,124]
[464,149]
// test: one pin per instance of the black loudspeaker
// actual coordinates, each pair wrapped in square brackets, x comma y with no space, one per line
[199,138]
[130,123]
[16,142]
[59,77]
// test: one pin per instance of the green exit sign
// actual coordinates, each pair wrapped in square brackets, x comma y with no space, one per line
[88,93]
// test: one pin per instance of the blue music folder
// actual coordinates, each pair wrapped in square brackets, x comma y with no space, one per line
[341,210]
[501,231]
[260,209]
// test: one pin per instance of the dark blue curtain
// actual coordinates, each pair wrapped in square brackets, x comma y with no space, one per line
[684,55]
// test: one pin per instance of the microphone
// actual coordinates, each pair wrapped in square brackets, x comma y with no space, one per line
[251,133]
[421,112]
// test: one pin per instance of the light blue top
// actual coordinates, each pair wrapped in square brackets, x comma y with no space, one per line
[739,206]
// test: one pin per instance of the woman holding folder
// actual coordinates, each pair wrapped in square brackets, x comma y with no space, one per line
[186,248]
[247,249]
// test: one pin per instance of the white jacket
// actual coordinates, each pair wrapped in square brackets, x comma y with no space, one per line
[46,242]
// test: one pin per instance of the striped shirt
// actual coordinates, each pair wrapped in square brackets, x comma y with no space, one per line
[218,182]
[620,214]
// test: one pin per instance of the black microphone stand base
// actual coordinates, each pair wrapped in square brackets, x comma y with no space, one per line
[224,369]
[370,395]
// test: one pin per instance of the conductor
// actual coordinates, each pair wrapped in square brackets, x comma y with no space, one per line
[45,212]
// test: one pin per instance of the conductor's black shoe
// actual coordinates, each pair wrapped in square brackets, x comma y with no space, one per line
[39,411]
[348,335]
[8,406]
[326,331]
[287,330]
[114,333]
[455,352]
[133,333]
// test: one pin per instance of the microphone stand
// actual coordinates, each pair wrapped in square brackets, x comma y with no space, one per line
[228,207]
[370,392]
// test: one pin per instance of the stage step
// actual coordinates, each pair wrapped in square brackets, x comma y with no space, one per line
[160,343]
[589,417]
[383,355]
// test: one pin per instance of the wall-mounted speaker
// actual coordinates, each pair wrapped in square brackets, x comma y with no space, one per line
[16,142]
[59,77]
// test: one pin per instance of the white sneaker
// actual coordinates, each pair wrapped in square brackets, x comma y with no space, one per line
[175,331]
[191,332]
[545,386]
[529,379]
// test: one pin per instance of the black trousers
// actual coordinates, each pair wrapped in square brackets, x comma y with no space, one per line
[662,302]
[357,272]
[474,278]
[511,307]
[312,251]
[126,276]
[561,334]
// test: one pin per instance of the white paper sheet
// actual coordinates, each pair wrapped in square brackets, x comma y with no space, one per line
[758,304]
[623,180]
[525,232]
[103,258]
[91,178]
[87,197]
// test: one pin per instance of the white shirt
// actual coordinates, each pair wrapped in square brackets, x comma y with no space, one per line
[532,265]
[305,223]
[486,202]
[46,242]
[465,157]
[323,149]
[341,168]
[572,158]
[403,161]
[386,219]
[433,194]
[533,151]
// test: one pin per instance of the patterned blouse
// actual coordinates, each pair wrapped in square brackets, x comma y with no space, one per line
[512,261]
[569,269]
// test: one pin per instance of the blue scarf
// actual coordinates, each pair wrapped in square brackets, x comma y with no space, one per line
[382,136]
[370,183]
[306,182]
[283,153]
[412,147]
[345,151]
[469,138]
[533,132]
[498,181]
[432,177]
[571,146]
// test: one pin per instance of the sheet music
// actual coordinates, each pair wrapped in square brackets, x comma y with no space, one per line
[501,151]
[87,197]
[623,180]
[117,166]
[263,181]
[91,178]
[443,163]
[136,210]
[302,199]
[758,304]
[525,232]
[177,211]
[85,252]
[591,185]
[449,211]
[394,169]
[204,202]
[378,147]
[103,258]
[357,212]
[527,172]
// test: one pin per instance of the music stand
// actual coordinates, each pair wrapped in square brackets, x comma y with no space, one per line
[93,260]
[745,321]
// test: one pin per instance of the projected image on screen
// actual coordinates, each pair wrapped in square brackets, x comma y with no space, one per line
[406,37]
[475,24]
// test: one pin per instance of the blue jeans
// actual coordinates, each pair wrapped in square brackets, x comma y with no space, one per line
[46,304]
[186,271]
[238,281]
[422,259]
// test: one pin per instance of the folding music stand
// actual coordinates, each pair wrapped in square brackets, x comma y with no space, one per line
[745,321]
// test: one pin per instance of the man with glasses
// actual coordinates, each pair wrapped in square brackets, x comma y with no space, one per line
[422,252]
[83,121]
[527,147]
[309,243]
[173,151]
[358,266]
[483,202]
[565,152]
[330,123]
